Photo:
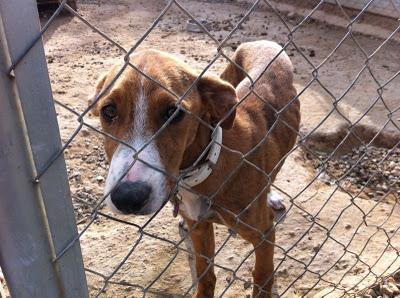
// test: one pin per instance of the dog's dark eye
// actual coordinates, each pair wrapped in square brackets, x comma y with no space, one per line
[109,112]
[171,112]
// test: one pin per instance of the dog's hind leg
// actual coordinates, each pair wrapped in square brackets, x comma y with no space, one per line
[263,238]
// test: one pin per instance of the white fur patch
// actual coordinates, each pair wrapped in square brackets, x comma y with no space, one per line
[124,156]
[191,204]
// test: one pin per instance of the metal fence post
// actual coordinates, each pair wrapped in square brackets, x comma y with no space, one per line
[36,219]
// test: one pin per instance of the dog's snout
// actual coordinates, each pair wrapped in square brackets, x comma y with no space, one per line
[130,197]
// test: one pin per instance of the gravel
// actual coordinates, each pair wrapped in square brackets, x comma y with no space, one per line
[86,167]
[374,171]
[389,287]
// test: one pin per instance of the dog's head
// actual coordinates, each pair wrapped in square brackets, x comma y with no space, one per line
[134,108]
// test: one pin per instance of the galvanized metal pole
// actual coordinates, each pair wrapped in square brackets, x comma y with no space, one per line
[36,219]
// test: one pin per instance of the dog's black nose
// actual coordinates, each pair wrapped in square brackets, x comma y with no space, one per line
[130,197]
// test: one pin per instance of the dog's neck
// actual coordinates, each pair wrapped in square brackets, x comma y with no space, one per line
[192,153]
[189,204]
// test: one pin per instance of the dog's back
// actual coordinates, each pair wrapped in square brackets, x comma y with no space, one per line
[265,64]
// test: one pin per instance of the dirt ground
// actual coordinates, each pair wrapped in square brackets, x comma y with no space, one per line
[308,258]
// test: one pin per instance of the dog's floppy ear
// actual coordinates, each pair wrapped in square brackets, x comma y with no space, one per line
[99,87]
[220,98]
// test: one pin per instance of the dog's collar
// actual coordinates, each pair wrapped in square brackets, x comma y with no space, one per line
[203,171]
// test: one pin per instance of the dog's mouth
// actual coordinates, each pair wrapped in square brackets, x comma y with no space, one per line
[144,211]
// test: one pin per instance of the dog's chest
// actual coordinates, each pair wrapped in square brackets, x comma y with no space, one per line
[191,205]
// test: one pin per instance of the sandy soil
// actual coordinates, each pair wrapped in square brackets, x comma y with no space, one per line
[308,257]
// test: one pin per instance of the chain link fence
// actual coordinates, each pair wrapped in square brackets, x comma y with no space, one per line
[339,233]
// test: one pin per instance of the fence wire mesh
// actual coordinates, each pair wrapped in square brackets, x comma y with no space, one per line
[351,222]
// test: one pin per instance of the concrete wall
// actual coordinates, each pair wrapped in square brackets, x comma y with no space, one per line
[383,7]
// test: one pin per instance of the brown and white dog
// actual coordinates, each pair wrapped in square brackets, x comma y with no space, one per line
[256,135]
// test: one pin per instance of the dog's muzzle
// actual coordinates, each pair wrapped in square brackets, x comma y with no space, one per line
[131,197]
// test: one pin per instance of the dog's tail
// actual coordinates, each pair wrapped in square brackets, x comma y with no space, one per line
[259,58]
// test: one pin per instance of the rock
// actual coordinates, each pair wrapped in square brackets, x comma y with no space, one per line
[316,248]
[385,290]
[370,293]
[85,132]
[99,178]
[291,15]
[76,176]
[392,286]
[247,285]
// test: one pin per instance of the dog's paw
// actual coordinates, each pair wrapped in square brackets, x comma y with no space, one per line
[275,202]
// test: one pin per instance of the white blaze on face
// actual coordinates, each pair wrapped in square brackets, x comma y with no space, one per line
[124,157]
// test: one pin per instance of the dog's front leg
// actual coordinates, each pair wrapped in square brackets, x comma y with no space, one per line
[183,232]
[202,236]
